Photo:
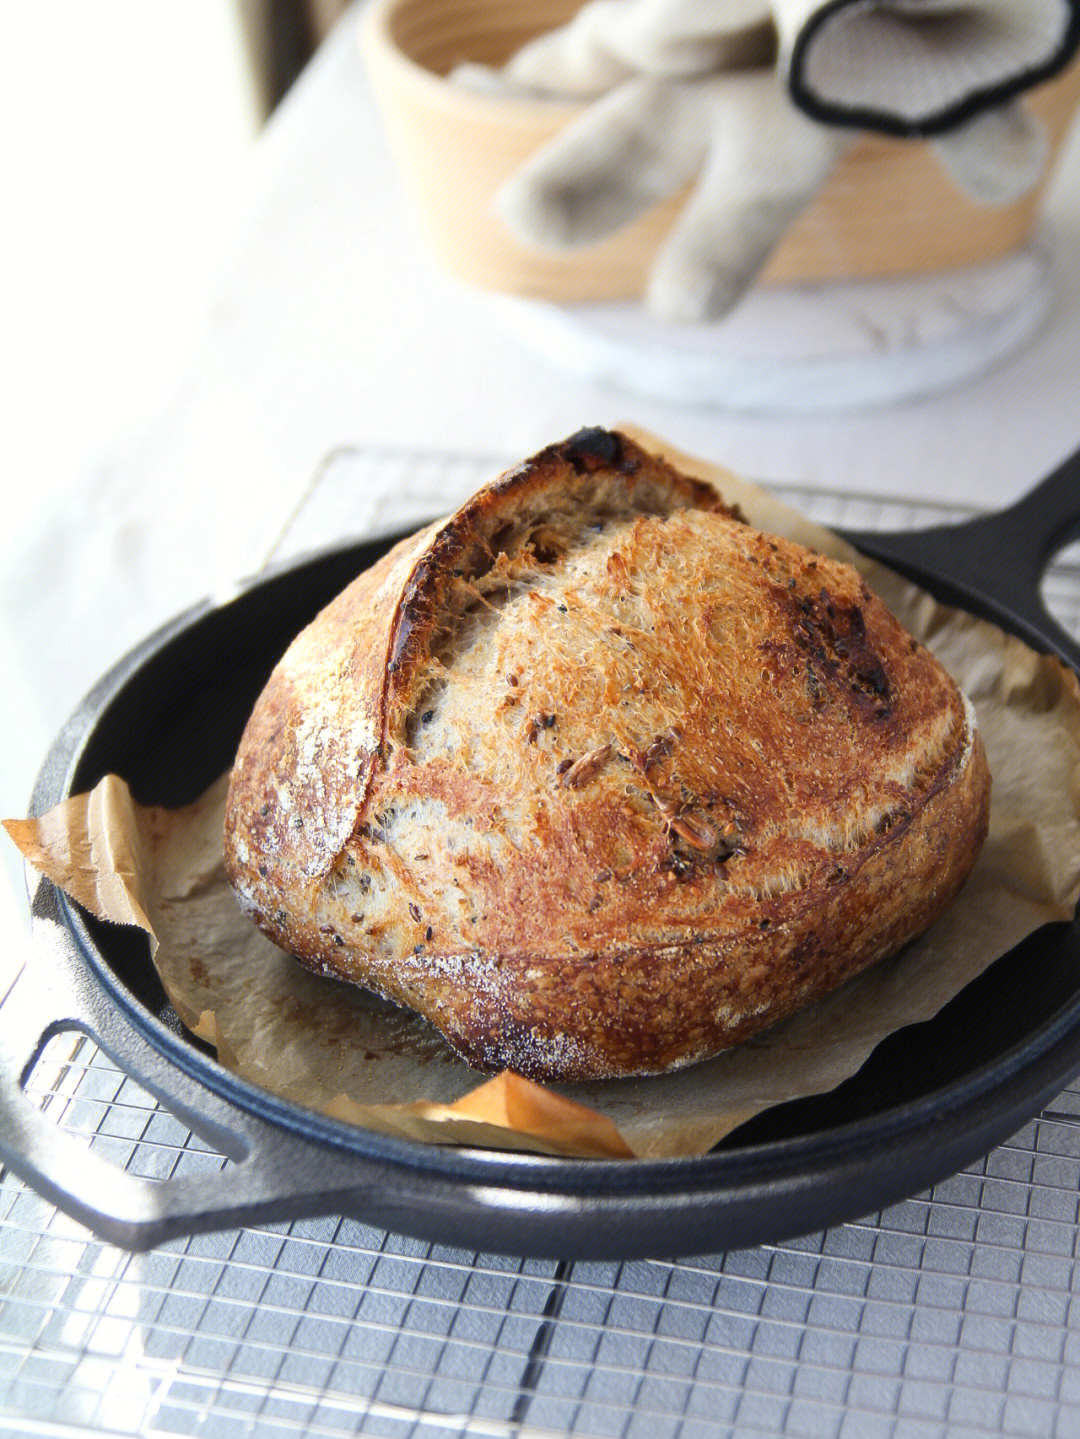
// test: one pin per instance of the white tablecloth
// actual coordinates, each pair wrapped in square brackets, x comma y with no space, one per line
[331,325]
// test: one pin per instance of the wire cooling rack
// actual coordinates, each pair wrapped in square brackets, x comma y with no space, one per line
[951,1313]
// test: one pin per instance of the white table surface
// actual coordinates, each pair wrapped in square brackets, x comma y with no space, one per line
[330,325]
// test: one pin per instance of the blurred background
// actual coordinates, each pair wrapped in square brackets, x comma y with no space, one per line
[125,127]
[124,131]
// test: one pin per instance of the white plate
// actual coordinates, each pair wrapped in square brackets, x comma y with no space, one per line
[839,345]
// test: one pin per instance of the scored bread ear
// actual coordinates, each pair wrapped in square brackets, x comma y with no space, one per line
[304,769]
[543,504]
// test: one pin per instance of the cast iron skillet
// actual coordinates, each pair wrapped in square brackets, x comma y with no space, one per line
[928,1101]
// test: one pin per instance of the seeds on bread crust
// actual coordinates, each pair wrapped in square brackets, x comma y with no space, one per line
[580,771]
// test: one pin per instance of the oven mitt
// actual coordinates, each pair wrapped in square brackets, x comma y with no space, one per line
[949,71]
[754,162]
[677,107]
[672,107]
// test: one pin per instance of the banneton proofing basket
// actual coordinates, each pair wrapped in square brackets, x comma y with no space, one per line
[930,1098]
[888,209]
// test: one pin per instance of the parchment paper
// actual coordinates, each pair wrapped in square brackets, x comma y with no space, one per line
[327,1045]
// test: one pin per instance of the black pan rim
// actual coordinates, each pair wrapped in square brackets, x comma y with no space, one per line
[1047,1056]
[1035,1059]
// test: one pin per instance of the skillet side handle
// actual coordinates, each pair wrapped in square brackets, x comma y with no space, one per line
[997,561]
[274,1174]
[1023,539]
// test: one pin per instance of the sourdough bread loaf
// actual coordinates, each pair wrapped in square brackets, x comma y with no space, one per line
[599,778]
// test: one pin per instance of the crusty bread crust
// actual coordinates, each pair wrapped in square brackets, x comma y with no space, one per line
[599,778]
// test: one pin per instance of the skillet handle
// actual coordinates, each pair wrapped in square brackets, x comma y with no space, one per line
[274,1173]
[995,564]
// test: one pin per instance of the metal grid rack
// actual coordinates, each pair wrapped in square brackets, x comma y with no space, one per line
[950,1313]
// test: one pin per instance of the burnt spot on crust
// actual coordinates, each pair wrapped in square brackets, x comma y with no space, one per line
[838,651]
[593,446]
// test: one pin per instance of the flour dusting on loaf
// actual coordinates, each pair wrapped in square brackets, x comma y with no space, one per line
[599,778]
